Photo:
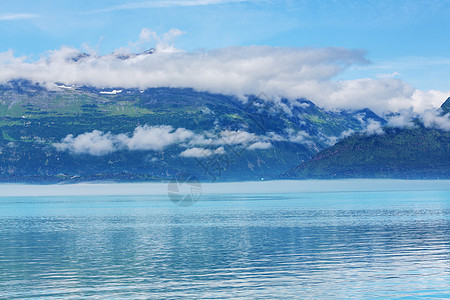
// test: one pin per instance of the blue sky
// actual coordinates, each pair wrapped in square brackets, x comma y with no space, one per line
[403,39]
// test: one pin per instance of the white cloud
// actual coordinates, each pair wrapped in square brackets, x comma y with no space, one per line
[219,150]
[279,72]
[230,137]
[403,119]
[202,139]
[346,133]
[201,152]
[389,75]
[275,137]
[332,140]
[196,152]
[300,136]
[15,17]
[260,145]
[94,143]
[432,118]
[155,138]
[373,127]
[113,92]
[158,138]
[147,37]
[166,3]
[302,105]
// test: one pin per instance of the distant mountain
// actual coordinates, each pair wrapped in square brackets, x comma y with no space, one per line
[417,153]
[69,133]
[79,56]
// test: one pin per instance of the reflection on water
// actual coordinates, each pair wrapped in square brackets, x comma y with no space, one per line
[310,245]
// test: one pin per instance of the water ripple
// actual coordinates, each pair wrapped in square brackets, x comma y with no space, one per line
[356,245]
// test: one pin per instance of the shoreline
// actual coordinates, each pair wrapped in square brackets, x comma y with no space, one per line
[240,187]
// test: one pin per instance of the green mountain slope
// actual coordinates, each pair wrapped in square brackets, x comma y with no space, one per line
[399,153]
[260,138]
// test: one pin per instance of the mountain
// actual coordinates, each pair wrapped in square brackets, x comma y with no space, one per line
[446,106]
[417,153]
[77,56]
[69,134]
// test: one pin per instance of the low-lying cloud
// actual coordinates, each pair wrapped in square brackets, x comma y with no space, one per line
[407,118]
[373,128]
[277,71]
[94,143]
[158,138]
[207,143]
[201,152]
[154,138]
[403,119]
[260,145]
[432,118]
[98,143]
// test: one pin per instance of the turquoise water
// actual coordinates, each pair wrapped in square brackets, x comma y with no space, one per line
[379,244]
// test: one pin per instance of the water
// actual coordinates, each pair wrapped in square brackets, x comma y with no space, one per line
[378,244]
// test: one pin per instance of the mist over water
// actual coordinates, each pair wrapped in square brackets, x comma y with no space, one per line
[258,187]
[354,244]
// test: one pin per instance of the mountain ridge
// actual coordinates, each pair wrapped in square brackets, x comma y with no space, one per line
[52,135]
[408,153]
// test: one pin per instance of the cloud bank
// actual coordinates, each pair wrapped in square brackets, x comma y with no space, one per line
[158,138]
[208,143]
[278,72]
[98,143]
[407,118]
[433,118]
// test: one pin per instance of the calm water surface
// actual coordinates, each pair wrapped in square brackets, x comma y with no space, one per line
[391,244]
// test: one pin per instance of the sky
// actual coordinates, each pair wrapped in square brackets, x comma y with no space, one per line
[399,43]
